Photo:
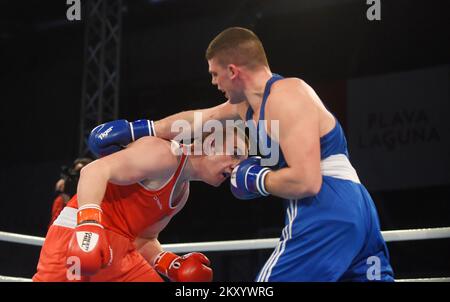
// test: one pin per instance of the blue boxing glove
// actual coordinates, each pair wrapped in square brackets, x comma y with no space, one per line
[247,179]
[113,136]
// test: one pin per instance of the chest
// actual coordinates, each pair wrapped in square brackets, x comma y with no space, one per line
[156,226]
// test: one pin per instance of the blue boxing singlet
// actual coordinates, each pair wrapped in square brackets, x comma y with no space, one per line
[334,235]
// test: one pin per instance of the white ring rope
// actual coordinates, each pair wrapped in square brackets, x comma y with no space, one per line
[13,279]
[444,279]
[19,238]
[251,244]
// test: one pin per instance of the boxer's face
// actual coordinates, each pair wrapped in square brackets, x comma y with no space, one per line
[221,160]
[226,80]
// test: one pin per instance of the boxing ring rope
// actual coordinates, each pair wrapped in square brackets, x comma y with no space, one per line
[252,244]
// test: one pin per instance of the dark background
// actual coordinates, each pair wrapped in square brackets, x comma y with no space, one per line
[163,71]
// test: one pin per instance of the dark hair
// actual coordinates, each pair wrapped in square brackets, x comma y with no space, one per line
[237,45]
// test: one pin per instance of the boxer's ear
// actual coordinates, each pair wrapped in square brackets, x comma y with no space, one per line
[232,71]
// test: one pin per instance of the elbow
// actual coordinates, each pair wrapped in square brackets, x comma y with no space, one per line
[314,187]
[308,188]
[87,170]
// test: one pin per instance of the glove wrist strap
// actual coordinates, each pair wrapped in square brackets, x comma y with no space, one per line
[89,213]
[163,262]
[142,128]
[260,185]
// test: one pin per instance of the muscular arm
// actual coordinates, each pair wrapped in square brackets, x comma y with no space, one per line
[222,112]
[299,138]
[149,157]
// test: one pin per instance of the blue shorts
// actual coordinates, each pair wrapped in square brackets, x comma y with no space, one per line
[333,236]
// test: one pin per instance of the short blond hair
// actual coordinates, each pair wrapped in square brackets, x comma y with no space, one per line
[237,45]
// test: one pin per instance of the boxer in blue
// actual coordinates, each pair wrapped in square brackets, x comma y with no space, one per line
[332,231]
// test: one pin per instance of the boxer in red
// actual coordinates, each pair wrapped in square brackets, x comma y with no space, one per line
[109,230]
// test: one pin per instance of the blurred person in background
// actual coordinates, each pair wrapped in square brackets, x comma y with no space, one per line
[66,186]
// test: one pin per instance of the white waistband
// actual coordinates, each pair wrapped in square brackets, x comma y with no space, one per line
[339,166]
[67,218]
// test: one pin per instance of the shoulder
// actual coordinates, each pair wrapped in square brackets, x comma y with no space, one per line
[151,143]
[290,93]
[155,149]
[290,85]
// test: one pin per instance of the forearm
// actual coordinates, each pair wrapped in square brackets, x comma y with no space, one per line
[290,184]
[148,248]
[167,128]
[92,184]
[163,127]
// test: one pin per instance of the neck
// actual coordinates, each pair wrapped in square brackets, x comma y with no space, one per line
[192,169]
[255,82]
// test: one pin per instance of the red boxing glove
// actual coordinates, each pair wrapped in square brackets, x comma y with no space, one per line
[192,267]
[89,243]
